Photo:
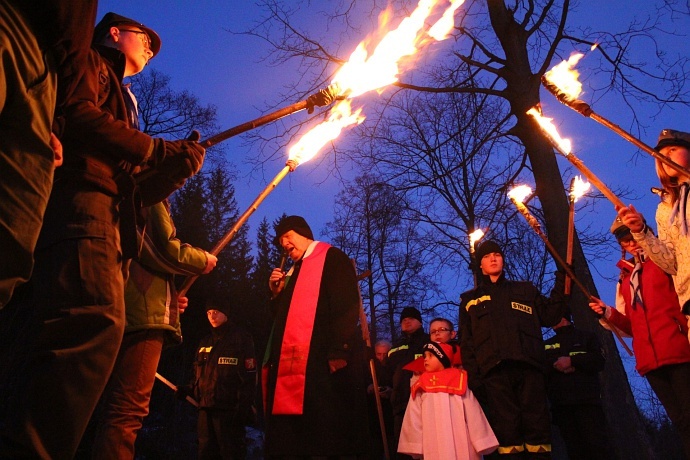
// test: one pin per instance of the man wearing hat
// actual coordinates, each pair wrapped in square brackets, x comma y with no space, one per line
[503,352]
[315,391]
[88,234]
[224,385]
[408,347]
[574,359]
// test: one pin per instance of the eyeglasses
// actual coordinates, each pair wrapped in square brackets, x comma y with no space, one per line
[143,36]
[440,329]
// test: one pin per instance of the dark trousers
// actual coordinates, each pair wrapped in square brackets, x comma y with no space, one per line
[583,428]
[127,396]
[220,435]
[27,102]
[671,383]
[518,410]
[76,329]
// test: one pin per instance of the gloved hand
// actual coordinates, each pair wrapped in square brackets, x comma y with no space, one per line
[183,391]
[179,160]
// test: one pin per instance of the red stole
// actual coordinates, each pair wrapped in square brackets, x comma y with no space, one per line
[451,380]
[294,350]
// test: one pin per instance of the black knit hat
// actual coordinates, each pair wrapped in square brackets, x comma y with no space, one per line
[410,312]
[115,20]
[295,223]
[485,248]
[672,137]
[221,306]
[443,351]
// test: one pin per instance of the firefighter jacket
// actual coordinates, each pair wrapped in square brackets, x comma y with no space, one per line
[405,350]
[586,357]
[503,320]
[225,371]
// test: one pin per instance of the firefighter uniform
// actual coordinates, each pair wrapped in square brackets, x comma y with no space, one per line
[503,353]
[225,386]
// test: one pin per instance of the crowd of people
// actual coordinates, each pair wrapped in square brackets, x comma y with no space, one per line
[88,298]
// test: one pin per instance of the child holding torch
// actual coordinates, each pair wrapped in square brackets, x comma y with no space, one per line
[647,308]
[671,250]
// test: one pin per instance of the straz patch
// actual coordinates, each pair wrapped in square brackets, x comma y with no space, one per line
[250,364]
[230,361]
[524,308]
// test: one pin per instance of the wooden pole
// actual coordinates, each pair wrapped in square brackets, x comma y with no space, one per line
[532,221]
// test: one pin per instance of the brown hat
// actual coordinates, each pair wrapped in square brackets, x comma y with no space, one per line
[115,20]
[295,223]
[672,137]
[619,229]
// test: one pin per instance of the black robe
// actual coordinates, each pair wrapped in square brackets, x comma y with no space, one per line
[334,420]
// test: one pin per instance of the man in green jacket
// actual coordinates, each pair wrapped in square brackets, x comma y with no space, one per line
[153,320]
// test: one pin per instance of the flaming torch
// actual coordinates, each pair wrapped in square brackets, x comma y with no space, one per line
[364,72]
[562,81]
[578,187]
[475,236]
[518,195]
[563,146]
[304,150]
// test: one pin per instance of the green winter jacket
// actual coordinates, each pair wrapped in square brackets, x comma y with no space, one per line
[150,295]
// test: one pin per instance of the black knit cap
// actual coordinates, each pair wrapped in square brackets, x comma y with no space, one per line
[295,223]
[410,312]
[115,20]
[485,248]
[442,351]
[669,137]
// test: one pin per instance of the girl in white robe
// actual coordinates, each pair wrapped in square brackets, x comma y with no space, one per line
[443,420]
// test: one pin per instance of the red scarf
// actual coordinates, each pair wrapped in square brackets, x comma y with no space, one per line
[451,380]
[299,326]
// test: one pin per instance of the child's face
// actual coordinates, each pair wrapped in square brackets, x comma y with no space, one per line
[631,246]
[134,44]
[431,362]
[677,154]
[439,331]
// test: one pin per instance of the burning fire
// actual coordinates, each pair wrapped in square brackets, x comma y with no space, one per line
[364,72]
[340,117]
[565,77]
[547,126]
[578,189]
[443,26]
[520,193]
[475,236]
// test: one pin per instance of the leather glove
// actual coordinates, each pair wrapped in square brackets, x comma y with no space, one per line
[178,160]
[183,391]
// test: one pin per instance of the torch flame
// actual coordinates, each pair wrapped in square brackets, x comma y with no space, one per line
[579,188]
[565,77]
[564,145]
[475,236]
[340,117]
[443,26]
[519,193]
[364,72]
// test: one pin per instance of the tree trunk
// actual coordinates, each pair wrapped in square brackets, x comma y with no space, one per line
[628,436]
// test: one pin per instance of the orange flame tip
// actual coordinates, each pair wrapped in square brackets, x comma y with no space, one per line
[565,77]
[520,193]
